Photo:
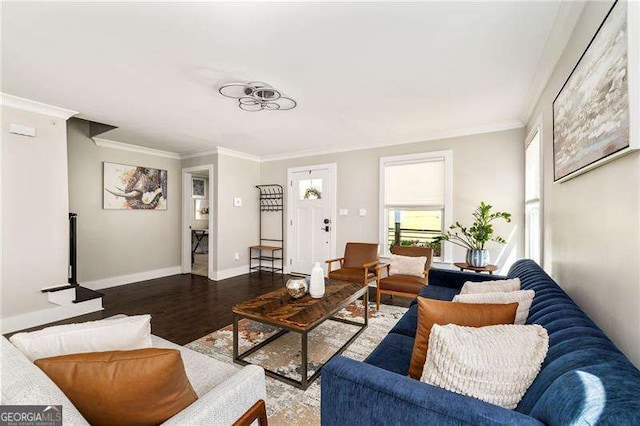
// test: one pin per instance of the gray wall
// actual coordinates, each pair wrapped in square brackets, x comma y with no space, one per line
[35,224]
[235,228]
[592,222]
[113,243]
[487,167]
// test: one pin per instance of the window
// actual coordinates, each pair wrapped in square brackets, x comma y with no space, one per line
[415,200]
[533,231]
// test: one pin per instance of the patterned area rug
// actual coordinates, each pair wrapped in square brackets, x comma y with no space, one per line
[287,405]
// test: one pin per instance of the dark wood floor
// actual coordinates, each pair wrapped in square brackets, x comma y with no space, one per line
[186,307]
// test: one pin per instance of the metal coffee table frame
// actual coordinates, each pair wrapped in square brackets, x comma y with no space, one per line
[306,381]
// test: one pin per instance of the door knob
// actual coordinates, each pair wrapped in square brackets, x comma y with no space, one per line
[327,221]
[325,228]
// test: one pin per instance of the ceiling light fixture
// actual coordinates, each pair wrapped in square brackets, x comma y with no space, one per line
[257,96]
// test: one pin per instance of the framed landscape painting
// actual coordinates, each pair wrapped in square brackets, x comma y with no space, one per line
[592,114]
[133,187]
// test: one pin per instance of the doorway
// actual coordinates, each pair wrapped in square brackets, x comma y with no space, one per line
[197,221]
[311,216]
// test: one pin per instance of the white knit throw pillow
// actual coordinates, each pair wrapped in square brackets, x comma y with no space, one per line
[498,286]
[523,297]
[407,265]
[496,364]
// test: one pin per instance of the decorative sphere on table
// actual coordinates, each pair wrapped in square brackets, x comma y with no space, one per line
[316,286]
[296,287]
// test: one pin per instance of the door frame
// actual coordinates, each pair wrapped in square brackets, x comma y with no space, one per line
[185,234]
[333,170]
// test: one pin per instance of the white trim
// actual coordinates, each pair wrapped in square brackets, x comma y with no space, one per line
[37,107]
[187,200]
[469,131]
[447,155]
[200,153]
[131,278]
[333,169]
[230,273]
[561,31]
[221,151]
[46,316]
[537,128]
[105,143]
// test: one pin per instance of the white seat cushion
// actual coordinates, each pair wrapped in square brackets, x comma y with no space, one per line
[204,373]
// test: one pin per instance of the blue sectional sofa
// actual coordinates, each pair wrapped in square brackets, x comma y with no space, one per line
[584,380]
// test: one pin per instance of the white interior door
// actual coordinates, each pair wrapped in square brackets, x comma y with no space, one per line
[311,215]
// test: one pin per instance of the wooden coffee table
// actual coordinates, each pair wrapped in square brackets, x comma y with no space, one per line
[302,315]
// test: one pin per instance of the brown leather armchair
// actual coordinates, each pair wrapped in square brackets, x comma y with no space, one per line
[357,265]
[403,285]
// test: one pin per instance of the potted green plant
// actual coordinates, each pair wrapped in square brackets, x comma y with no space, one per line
[476,236]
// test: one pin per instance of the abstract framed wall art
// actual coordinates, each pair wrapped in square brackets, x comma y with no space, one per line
[197,188]
[133,187]
[595,112]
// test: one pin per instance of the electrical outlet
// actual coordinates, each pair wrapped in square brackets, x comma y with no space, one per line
[236,256]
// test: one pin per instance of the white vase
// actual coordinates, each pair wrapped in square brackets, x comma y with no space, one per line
[316,285]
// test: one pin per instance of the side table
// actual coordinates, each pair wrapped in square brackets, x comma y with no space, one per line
[465,265]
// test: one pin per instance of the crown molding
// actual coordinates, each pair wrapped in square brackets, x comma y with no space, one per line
[37,107]
[105,143]
[201,153]
[221,151]
[565,22]
[238,154]
[469,131]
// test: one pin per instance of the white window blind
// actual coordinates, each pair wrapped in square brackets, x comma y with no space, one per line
[419,184]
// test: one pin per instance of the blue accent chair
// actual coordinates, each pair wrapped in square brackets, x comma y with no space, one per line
[585,379]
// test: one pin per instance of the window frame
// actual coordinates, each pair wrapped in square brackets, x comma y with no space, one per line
[422,157]
[536,130]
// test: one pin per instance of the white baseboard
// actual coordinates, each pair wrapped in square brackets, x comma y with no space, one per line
[45,316]
[131,278]
[230,273]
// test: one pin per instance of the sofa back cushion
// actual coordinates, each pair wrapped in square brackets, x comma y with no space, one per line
[139,387]
[584,379]
[109,334]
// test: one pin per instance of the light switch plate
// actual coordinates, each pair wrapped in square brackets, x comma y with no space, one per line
[343,212]
[237,202]
[362,212]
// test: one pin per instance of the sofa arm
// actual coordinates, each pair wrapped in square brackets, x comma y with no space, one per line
[354,390]
[456,279]
[227,402]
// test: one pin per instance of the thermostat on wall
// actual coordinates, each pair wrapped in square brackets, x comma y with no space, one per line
[237,202]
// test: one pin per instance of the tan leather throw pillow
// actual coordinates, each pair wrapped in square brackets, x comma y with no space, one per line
[432,312]
[139,387]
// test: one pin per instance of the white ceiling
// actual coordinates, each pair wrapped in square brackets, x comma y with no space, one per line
[363,74]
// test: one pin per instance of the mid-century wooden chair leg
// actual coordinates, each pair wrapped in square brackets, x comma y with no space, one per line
[377,298]
[257,412]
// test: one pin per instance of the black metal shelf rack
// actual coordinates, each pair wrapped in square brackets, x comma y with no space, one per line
[270,250]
